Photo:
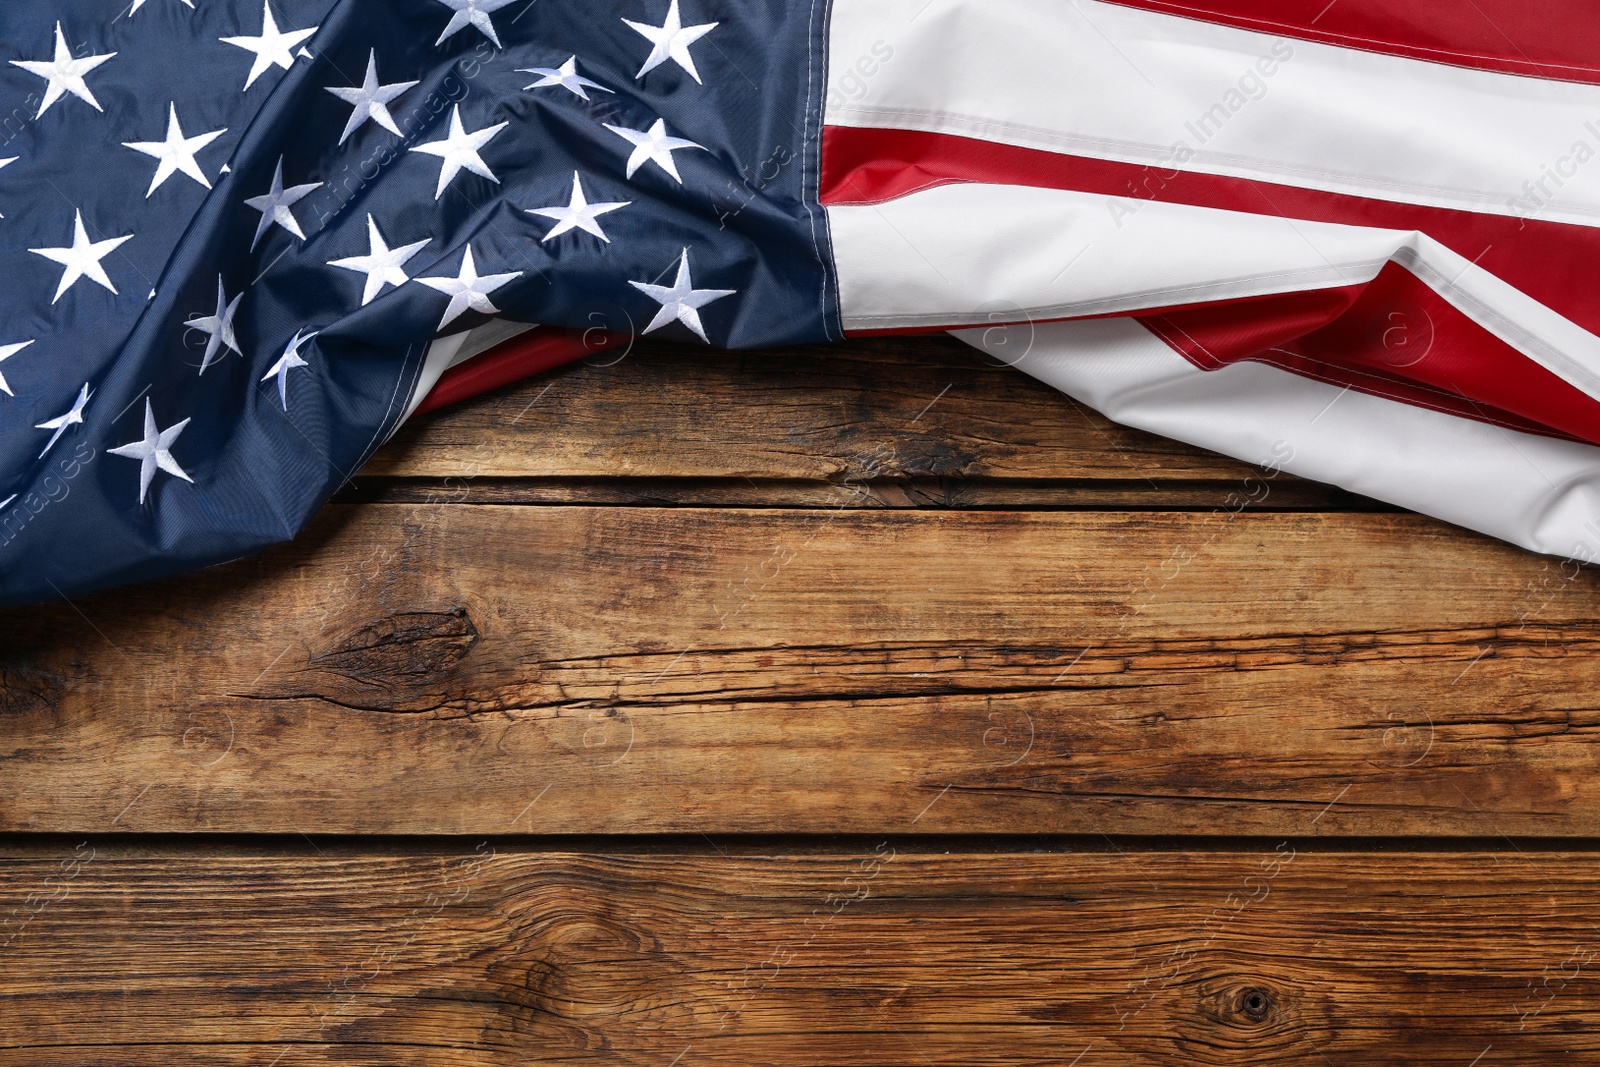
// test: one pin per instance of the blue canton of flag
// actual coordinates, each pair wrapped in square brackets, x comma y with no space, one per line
[231,234]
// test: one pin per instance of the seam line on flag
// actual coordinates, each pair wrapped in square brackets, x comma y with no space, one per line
[1564,364]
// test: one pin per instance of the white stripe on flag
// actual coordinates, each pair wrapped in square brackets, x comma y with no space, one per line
[971,254]
[974,254]
[1541,493]
[1118,83]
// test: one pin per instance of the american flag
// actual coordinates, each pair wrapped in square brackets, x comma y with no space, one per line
[243,241]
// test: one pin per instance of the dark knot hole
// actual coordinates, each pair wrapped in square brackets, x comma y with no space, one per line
[1256,1004]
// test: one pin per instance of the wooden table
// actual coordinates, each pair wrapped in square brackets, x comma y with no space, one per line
[873,705]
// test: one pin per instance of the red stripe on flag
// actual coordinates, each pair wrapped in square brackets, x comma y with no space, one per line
[1393,337]
[868,166]
[525,355]
[1556,39]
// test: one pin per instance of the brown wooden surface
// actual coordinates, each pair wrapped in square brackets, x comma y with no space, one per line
[882,590]
[410,669]
[882,952]
[911,406]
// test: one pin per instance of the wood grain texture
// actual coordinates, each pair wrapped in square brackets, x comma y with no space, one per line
[487,669]
[927,407]
[882,953]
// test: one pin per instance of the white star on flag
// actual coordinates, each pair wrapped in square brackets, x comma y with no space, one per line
[6,352]
[653,146]
[154,451]
[137,4]
[82,258]
[671,40]
[218,327]
[681,301]
[71,418]
[459,151]
[382,265]
[468,291]
[371,100]
[288,362]
[474,13]
[64,74]
[275,205]
[577,215]
[176,153]
[566,76]
[270,47]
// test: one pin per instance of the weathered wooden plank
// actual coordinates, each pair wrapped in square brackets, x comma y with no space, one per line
[483,669]
[890,407]
[882,953]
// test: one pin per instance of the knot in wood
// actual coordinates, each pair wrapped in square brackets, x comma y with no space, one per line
[1255,1003]
[24,691]
[405,648]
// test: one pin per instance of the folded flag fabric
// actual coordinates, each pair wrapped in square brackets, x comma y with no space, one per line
[242,242]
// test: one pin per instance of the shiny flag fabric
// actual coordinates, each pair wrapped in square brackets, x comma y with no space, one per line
[243,242]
